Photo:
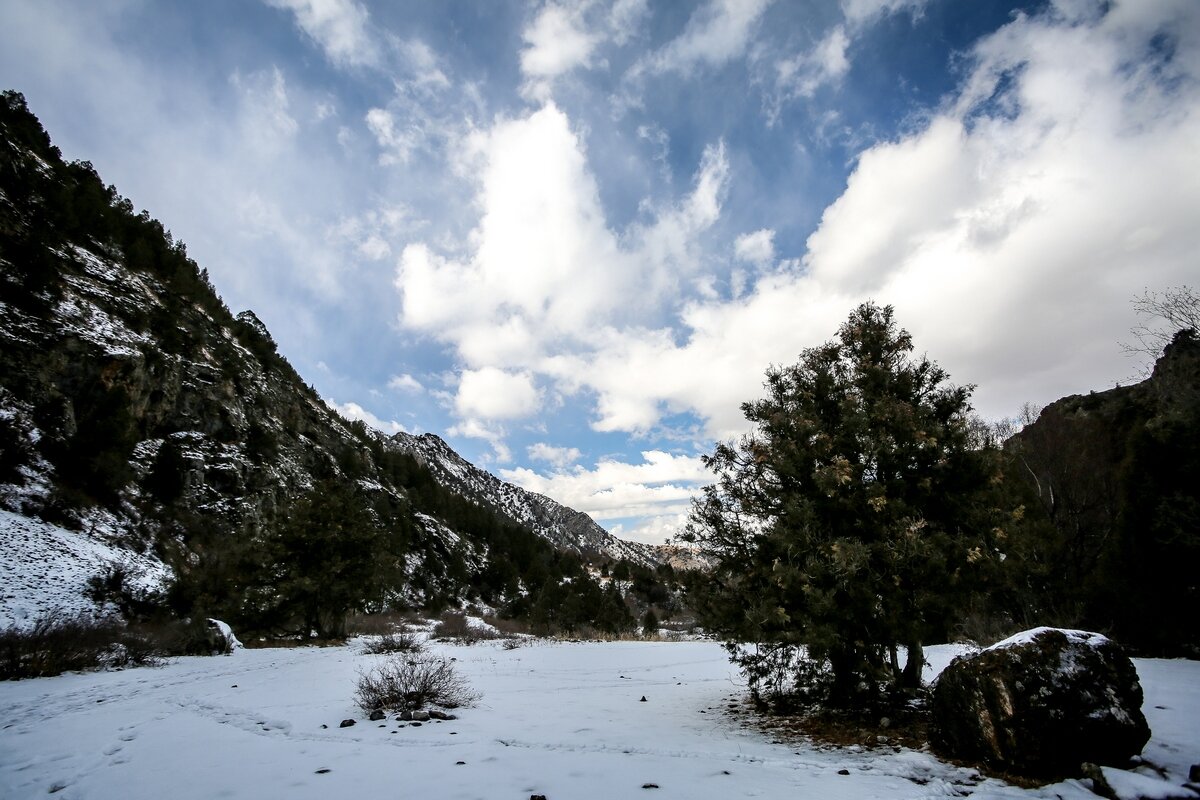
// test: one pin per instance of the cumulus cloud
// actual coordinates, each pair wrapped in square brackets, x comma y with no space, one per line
[555,456]
[661,484]
[405,383]
[339,27]
[756,248]
[353,411]
[492,394]
[1028,211]
[545,274]
[557,41]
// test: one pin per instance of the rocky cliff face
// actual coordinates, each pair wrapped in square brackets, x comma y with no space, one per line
[1117,475]
[565,528]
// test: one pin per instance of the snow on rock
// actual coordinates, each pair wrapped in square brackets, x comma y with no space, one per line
[1087,638]
[226,633]
[45,568]
[1041,703]
[556,719]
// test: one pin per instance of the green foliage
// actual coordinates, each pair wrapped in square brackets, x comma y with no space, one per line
[327,557]
[849,519]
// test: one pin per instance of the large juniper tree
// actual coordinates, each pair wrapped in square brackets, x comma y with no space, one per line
[846,520]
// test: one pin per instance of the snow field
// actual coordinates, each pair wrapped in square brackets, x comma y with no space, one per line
[560,719]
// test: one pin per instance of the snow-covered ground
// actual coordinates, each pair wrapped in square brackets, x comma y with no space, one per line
[45,568]
[560,719]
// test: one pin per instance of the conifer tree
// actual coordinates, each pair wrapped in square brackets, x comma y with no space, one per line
[846,519]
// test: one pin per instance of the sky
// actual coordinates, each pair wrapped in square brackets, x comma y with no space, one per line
[571,237]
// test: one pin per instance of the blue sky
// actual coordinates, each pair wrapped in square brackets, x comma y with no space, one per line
[570,237]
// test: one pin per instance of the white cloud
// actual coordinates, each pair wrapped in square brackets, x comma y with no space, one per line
[556,456]
[625,19]
[396,143]
[863,12]
[662,484]
[375,248]
[557,41]
[353,411]
[714,35]
[756,248]
[493,435]
[545,273]
[803,74]
[1011,233]
[654,529]
[405,383]
[339,27]
[266,120]
[489,393]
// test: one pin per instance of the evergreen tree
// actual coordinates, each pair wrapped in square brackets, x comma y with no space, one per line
[844,520]
[329,555]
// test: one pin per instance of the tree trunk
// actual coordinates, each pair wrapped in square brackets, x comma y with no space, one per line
[911,678]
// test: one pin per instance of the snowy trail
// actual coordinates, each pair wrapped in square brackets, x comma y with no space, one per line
[560,719]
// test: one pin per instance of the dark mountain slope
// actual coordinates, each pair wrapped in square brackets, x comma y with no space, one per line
[1117,476]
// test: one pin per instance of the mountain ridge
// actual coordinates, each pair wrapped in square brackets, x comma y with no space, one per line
[563,526]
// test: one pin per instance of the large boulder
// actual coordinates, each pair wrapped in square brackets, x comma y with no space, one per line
[1040,704]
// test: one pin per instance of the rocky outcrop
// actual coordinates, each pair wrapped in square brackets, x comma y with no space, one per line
[1116,477]
[1041,703]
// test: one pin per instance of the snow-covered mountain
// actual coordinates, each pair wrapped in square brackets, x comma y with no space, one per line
[565,528]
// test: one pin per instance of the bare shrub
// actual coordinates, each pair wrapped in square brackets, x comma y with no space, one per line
[507,627]
[58,643]
[413,682]
[454,625]
[377,624]
[392,642]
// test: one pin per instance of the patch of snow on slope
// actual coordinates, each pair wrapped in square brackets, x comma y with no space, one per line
[45,568]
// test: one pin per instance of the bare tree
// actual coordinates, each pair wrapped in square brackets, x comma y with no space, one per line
[1164,314]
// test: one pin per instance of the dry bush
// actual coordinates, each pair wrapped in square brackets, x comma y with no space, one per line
[58,643]
[413,682]
[507,627]
[390,643]
[454,625]
[378,624]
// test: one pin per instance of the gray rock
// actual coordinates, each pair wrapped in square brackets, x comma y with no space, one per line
[1041,704]
[420,716]
[346,723]
[377,715]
